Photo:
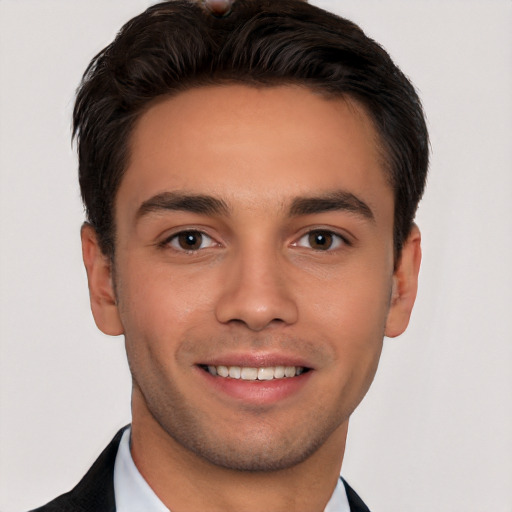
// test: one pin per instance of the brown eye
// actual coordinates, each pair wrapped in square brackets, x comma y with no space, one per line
[320,240]
[190,241]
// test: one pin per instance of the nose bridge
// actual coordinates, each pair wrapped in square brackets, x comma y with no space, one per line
[256,291]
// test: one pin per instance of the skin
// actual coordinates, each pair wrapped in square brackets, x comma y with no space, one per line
[256,289]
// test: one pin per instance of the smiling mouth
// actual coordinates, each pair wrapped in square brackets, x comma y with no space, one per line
[252,373]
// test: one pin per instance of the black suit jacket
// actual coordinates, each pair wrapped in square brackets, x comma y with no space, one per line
[95,492]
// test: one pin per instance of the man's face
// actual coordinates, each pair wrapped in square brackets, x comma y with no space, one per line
[254,234]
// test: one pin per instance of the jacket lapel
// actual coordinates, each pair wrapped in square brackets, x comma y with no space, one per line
[95,492]
[355,502]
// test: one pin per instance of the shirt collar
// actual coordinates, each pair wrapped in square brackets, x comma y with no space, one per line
[133,493]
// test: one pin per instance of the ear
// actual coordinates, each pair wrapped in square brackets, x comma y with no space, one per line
[101,288]
[405,285]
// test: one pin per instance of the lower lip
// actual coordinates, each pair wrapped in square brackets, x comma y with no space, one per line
[257,392]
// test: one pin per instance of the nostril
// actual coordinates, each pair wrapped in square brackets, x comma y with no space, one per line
[256,322]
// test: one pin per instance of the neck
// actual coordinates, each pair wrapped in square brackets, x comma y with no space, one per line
[185,481]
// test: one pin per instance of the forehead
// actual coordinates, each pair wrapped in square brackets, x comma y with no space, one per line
[252,146]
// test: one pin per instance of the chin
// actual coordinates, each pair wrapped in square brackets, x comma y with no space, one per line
[259,448]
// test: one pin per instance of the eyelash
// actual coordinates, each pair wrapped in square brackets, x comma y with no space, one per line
[190,232]
[333,239]
[330,236]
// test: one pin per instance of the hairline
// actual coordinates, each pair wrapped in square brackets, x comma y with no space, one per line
[356,105]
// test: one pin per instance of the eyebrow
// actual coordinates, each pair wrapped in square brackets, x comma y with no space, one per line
[335,201]
[208,205]
[201,204]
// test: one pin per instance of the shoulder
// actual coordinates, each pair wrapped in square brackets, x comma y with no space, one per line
[95,492]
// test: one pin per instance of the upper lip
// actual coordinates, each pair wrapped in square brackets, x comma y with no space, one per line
[257,360]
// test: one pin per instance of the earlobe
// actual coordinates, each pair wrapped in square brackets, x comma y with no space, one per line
[101,289]
[405,285]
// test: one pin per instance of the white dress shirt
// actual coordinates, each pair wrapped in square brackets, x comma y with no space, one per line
[133,494]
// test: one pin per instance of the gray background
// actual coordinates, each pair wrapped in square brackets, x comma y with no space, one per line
[435,431]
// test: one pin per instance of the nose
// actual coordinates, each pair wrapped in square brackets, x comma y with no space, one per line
[256,293]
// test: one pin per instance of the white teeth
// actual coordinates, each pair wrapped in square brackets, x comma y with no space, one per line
[234,372]
[289,371]
[222,371]
[249,373]
[265,373]
[279,372]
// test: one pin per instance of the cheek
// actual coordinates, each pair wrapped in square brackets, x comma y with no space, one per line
[353,323]
[157,303]
[354,305]
[350,312]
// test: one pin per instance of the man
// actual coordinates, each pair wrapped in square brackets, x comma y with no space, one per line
[250,172]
